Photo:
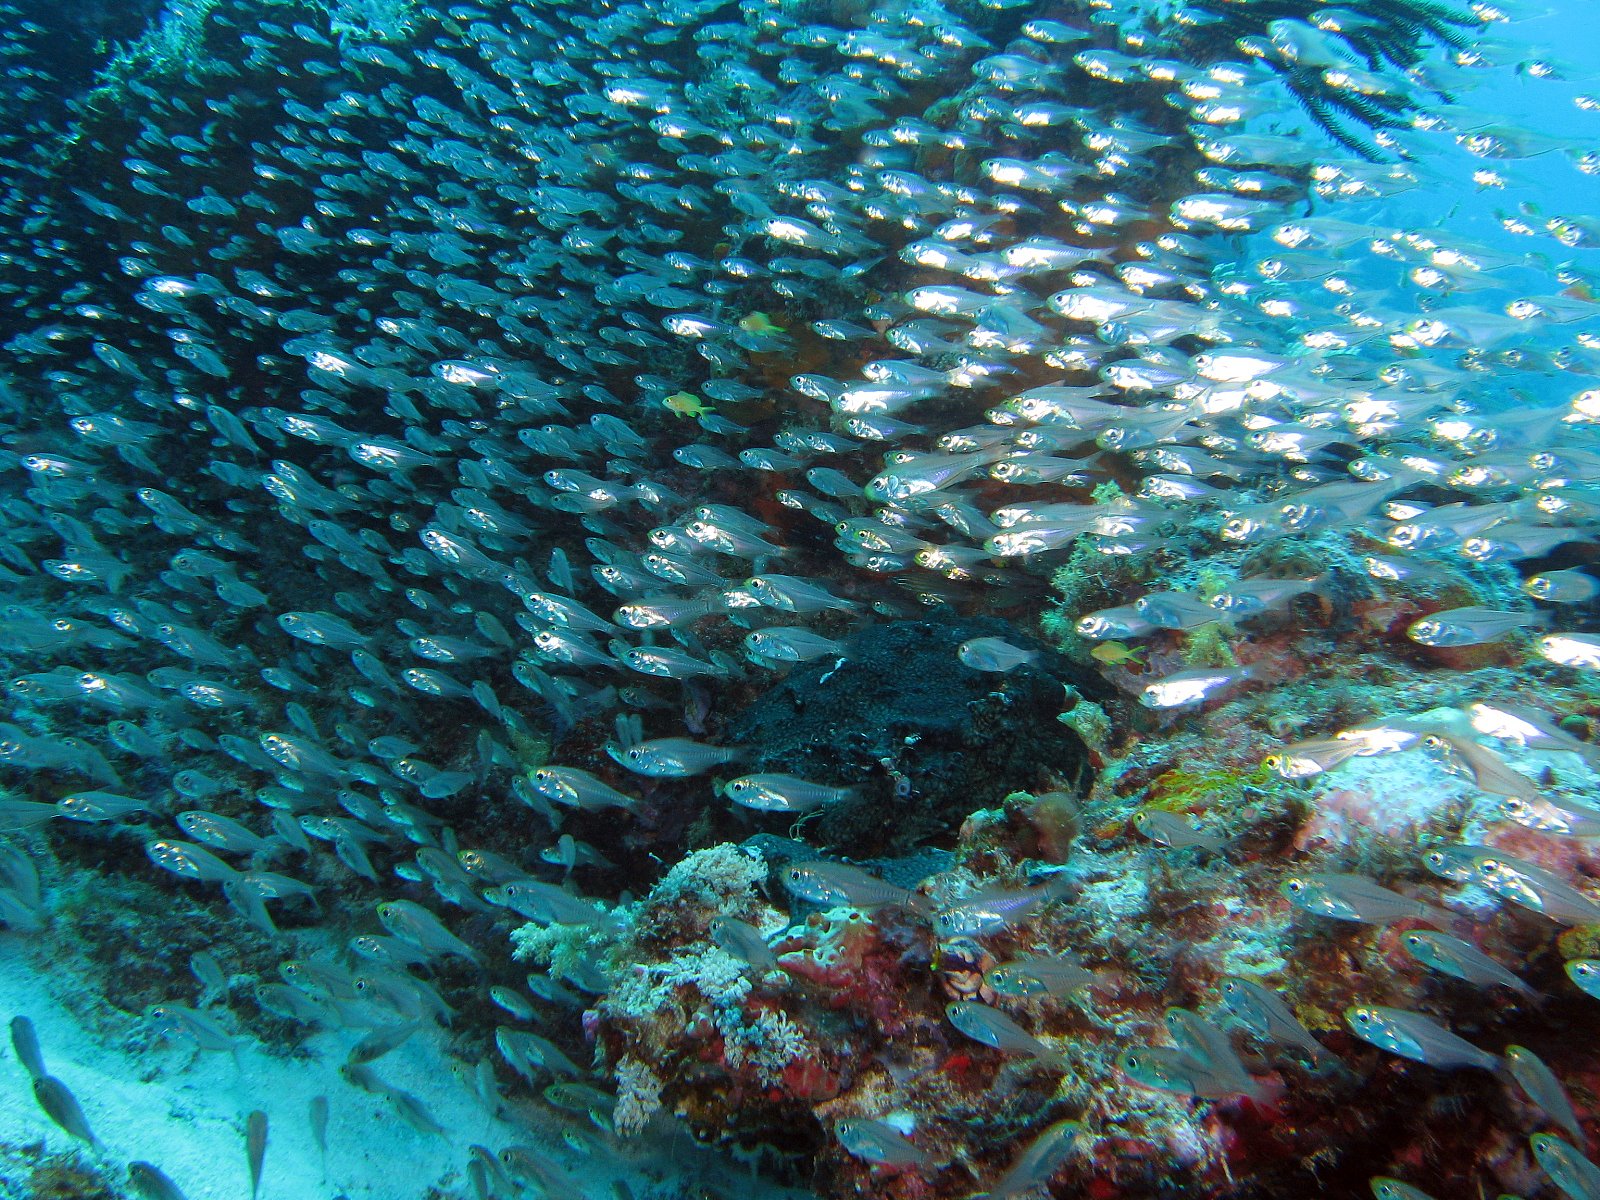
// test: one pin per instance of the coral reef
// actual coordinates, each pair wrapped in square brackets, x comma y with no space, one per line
[847,1022]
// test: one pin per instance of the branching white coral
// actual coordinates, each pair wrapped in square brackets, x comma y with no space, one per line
[715,877]
[638,1097]
[769,1042]
[572,951]
[718,977]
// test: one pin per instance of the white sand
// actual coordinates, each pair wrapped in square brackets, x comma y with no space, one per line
[189,1119]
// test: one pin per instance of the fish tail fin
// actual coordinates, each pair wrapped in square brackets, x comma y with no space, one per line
[1057,886]
[1258,1092]
[1440,918]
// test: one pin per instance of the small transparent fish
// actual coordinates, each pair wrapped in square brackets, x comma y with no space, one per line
[578,788]
[414,1113]
[993,654]
[189,860]
[1572,586]
[1585,972]
[322,629]
[1356,898]
[1569,1169]
[1253,597]
[1265,1013]
[511,1001]
[1382,737]
[99,806]
[1487,770]
[783,793]
[743,941]
[1539,1083]
[152,1183]
[1385,1187]
[178,1020]
[831,883]
[25,1044]
[1470,626]
[673,758]
[1527,727]
[225,833]
[1415,1036]
[1121,622]
[256,1148]
[666,662]
[544,903]
[1167,1069]
[1043,1157]
[1209,1046]
[204,967]
[792,645]
[380,1041]
[1454,862]
[1175,610]
[61,1106]
[317,1115]
[1462,960]
[412,923]
[880,1143]
[1580,650]
[1184,689]
[1173,830]
[1301,760]
[992,910]
[1038,976]
[1534,888]
[1547,816]
[789,594]
[993,1028]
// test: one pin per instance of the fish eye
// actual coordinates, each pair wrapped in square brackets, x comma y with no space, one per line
[1296,885]
[1413,939]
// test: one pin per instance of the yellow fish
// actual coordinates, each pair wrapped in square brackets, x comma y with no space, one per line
[684,404]
[1117,654]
